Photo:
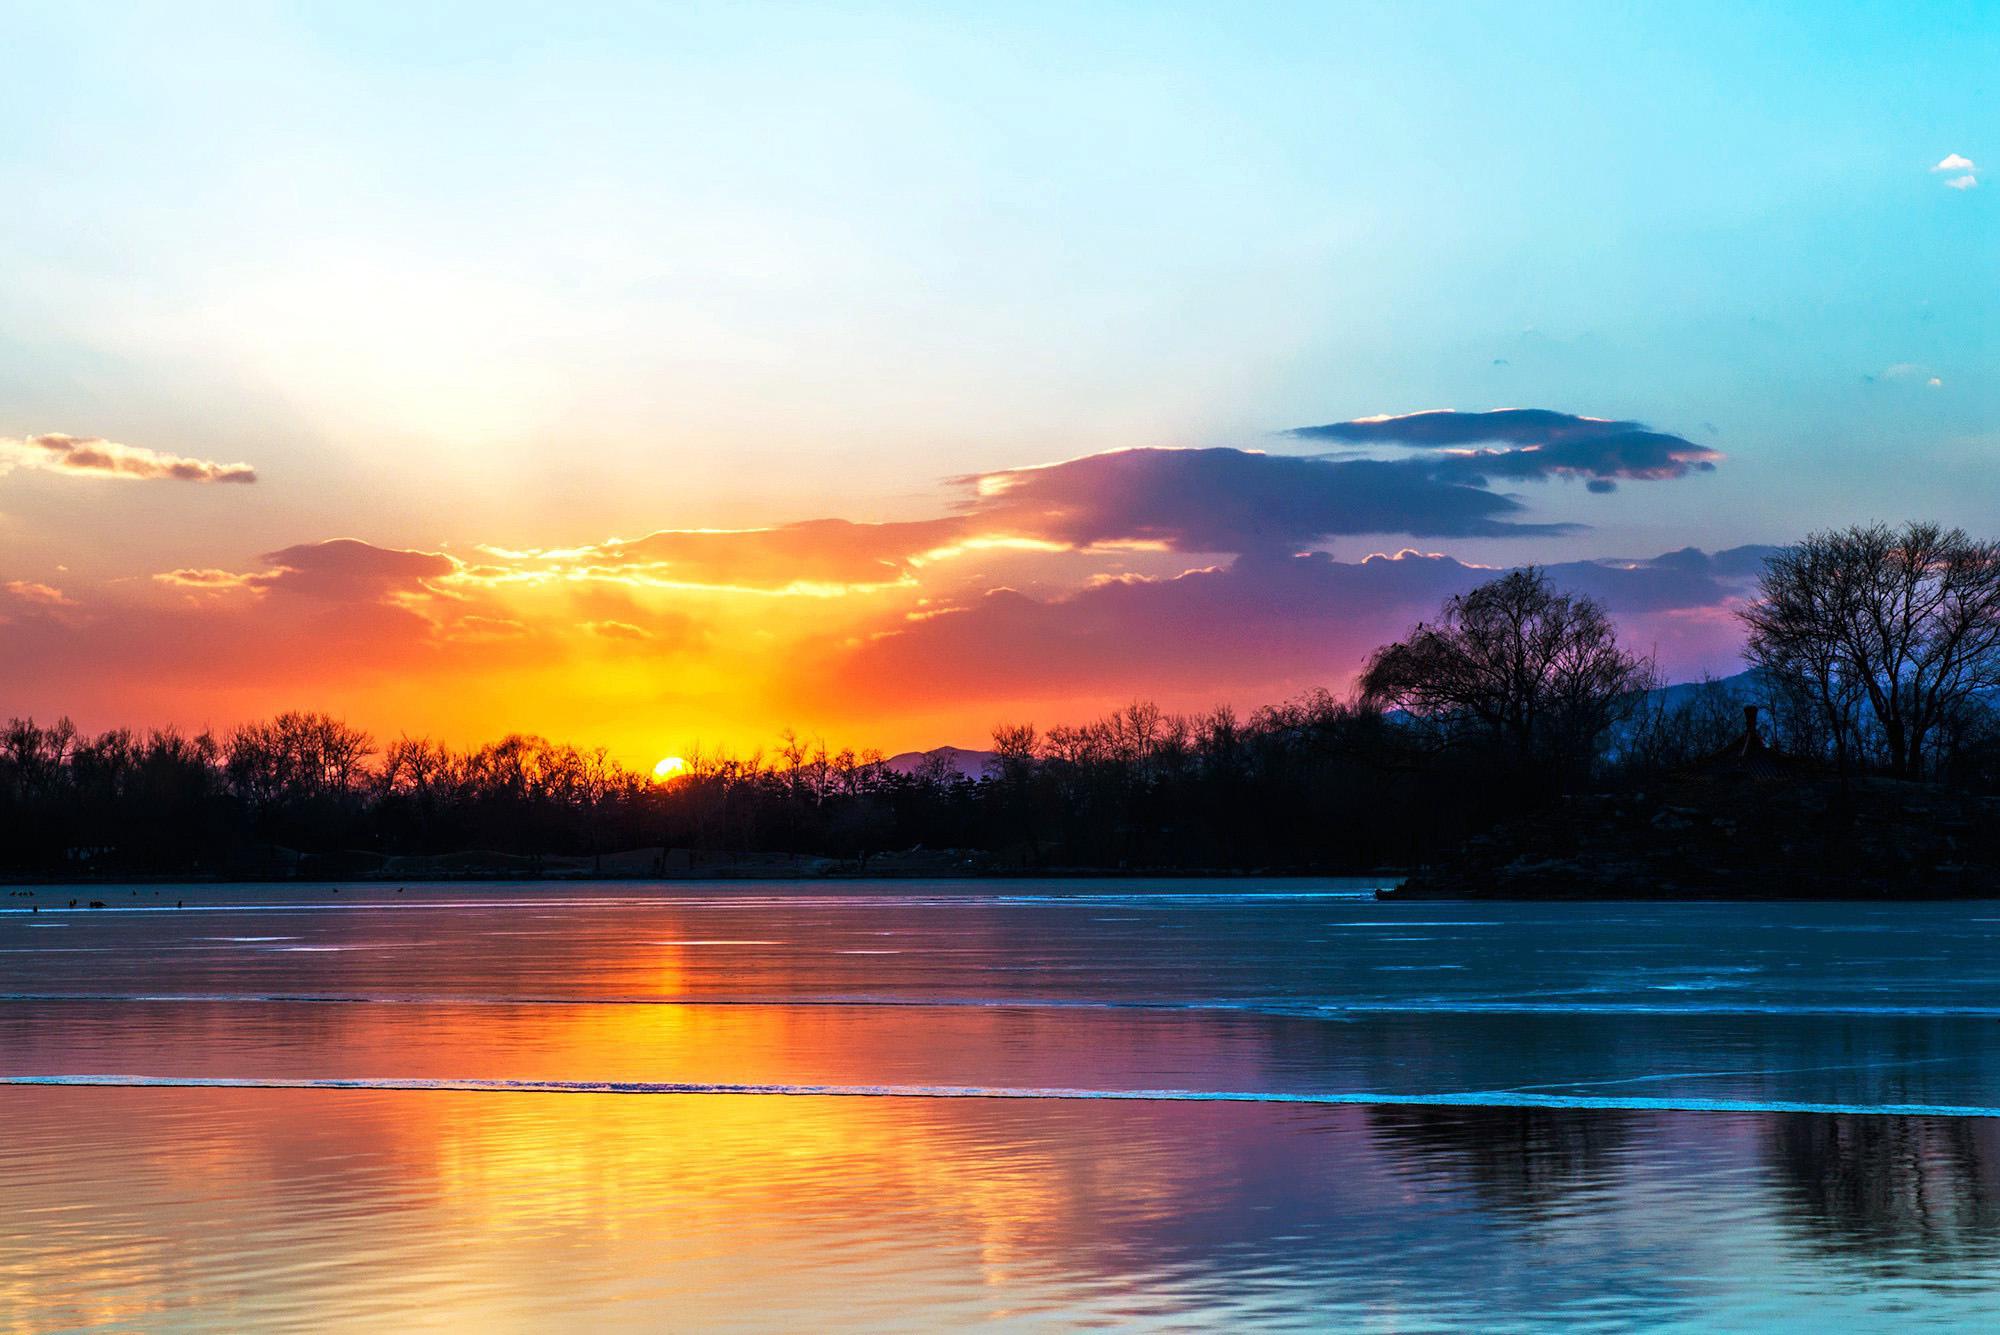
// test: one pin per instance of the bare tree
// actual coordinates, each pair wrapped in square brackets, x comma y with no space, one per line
[1897,630]
[935,771]
[297,755]
[1013,751]
[1796,642]
[1518,663]
[1667,733]
[419,768]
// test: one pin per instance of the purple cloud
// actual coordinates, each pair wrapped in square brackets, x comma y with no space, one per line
[1262,623]
[1544,444]
[337,570]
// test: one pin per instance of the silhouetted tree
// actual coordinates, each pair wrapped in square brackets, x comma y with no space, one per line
[297,757]
[1533,671]
[1893,634]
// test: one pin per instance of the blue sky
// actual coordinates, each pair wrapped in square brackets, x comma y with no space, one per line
[452,275]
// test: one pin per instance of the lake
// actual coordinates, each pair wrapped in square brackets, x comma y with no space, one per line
[908,1105]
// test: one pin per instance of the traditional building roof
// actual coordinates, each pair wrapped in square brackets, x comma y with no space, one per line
[1749,755]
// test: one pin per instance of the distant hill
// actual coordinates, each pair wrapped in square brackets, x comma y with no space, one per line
[1742,684]
[965,764]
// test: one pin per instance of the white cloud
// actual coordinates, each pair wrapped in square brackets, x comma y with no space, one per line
[1910,372]
[1962,182]
[1955,162]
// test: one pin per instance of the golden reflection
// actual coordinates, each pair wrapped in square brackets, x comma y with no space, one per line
[370,1209]
[471,1196]
[494,1202]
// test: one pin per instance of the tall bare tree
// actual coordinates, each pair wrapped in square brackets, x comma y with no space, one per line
[1891,630]
[1516,662]
[297,756]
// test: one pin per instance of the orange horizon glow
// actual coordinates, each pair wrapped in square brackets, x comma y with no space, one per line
[1044,594]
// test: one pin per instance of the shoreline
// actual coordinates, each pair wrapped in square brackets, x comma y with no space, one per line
[724,876]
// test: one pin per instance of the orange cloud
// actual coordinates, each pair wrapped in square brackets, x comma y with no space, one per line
[208,581]
[817,556]
[36,595]
[1065,587]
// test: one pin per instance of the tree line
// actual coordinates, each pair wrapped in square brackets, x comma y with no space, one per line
[1141,787]
[1872,649]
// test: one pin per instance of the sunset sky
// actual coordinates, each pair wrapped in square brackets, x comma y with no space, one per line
[676,374]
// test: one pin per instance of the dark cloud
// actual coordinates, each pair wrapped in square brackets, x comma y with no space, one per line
[1443,428]
[1187,500]
[1226,500]
[93,456]
[338,570]
[1744,561]
[1545,444]
[1202,500]
[1688,578]
[349,570]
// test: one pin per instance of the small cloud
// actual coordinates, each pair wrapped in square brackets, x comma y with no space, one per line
[36,595]
[207,580]
[1962,182]
[93,456]
[23,601]
[1909,373]
[485,630]
[617,630]
[1955,162]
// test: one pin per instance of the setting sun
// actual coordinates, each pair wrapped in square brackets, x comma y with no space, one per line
[670,767]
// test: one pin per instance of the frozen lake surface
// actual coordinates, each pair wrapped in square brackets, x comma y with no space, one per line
[909,1104]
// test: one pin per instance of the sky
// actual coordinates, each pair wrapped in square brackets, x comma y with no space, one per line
[662,376]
